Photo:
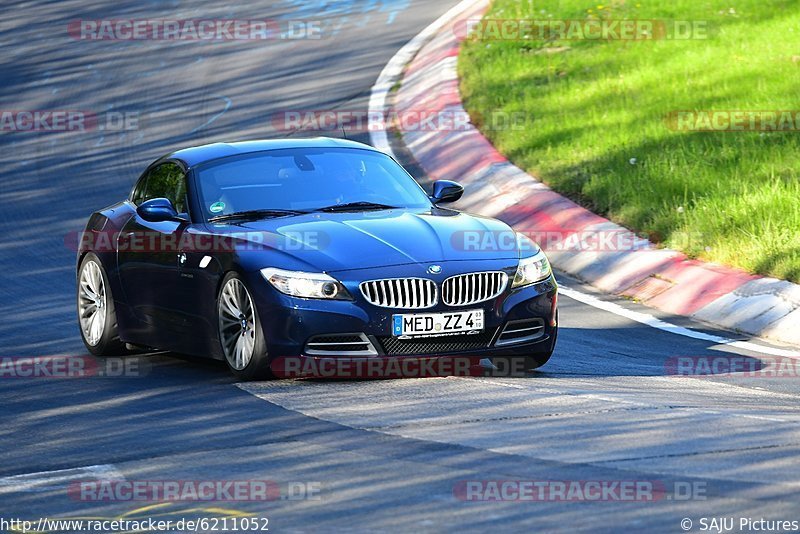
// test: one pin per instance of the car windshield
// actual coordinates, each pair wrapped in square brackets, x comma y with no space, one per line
[306,179]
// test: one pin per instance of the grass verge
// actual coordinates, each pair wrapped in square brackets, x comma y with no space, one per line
[595,126]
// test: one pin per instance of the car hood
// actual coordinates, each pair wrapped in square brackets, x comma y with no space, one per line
[333,242]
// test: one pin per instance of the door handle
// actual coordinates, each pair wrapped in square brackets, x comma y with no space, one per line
[182,258]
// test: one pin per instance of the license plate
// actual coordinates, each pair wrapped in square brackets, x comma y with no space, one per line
[437,323]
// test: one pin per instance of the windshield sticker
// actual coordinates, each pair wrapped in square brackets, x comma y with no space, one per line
[216,207]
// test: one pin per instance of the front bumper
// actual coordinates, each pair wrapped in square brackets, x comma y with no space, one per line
[289,323]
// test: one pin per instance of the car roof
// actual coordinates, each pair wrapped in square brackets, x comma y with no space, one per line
[201,154]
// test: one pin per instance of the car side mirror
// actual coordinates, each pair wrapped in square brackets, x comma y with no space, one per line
[446,191]
[158,210]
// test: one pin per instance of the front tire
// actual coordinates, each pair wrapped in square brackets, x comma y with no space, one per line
[241,337]
[542,358]
[97,317]
[518,365]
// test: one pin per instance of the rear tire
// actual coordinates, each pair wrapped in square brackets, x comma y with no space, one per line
[241,337]
[97,317]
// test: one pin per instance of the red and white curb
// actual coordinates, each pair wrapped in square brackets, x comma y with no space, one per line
[661,278]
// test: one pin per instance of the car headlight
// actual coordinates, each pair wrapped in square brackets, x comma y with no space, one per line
[532,270]
[306,285]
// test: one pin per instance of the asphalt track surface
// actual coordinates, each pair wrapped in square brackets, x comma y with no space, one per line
[386,455]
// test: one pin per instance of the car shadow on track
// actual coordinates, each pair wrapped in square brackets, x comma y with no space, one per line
[620,351]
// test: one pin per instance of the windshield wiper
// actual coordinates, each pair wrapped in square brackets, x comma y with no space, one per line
[357,206]
[255,214]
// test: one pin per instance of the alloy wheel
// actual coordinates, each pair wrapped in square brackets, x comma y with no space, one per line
[92,303]
[237,324]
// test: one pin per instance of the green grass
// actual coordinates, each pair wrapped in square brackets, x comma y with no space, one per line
[592,106]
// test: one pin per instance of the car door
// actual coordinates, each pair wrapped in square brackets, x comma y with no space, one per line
[200,272]
[149,260]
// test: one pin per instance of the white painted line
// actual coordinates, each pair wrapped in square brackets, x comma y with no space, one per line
[392,71]
[654,322]
[228,103]
[57,480]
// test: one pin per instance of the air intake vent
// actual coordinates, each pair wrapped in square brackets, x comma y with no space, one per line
[340,345]
[405,293]
[466,289]
[521,331]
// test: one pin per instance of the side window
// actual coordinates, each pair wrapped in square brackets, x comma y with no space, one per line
[139,191]
[166,181]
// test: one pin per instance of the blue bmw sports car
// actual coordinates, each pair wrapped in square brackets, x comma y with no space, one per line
[316,249]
